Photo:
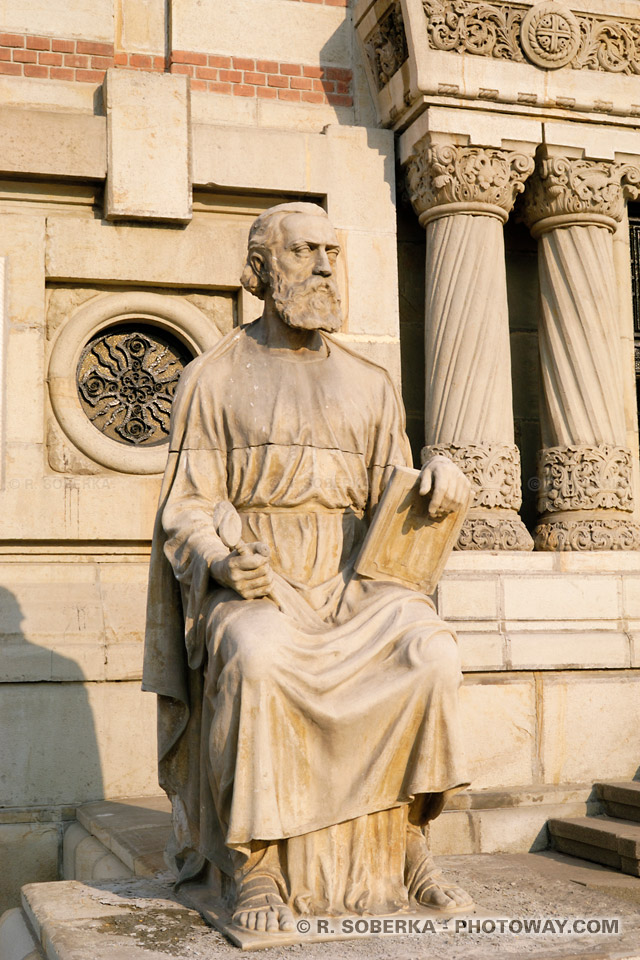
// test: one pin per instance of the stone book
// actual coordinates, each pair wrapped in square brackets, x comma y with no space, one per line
[404,544]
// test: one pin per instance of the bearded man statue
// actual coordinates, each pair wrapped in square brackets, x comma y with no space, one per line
[308,717]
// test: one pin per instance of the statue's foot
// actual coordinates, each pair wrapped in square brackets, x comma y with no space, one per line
[260,907]
[425,882]
[439,895]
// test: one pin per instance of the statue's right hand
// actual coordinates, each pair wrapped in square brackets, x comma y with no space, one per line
[247,572]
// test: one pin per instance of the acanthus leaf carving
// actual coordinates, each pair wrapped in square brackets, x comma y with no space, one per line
[564,185]
[441,174]
[488,533]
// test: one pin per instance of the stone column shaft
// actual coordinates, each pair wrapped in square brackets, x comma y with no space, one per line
[463,196]
[585,467]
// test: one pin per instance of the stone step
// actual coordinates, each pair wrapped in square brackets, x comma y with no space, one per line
[116,839]
[612,841]
[620,798]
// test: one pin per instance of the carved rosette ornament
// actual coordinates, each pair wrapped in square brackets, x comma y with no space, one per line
[440,175]
[573,206]
[550,35]
[463,195]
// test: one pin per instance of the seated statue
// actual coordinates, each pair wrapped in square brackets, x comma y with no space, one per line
[308,717]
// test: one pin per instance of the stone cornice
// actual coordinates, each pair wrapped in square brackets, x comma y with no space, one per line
[474,179]
[565,189]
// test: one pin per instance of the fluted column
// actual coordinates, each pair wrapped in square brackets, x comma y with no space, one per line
[585,468]
[463,196]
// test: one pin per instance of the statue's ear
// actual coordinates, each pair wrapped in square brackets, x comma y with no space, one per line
[259,265]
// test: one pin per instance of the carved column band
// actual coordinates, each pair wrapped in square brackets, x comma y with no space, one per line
[463,196]
[572,207]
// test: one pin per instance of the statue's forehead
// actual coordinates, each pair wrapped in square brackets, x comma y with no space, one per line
[303,226]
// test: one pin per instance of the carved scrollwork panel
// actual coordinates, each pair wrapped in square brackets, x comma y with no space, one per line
[441,174]
[487,533]
[549,35]
[493,468]
[585,478]
[588,534]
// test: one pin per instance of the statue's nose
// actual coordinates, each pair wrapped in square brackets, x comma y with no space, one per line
[322,265]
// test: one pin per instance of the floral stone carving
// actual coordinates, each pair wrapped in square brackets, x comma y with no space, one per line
[493,468]
[438,174]
[127,379]
[585,477]
[588,534]
[387,46]
[548,34]
[564,186]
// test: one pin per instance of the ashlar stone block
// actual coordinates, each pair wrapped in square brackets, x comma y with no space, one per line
[148,171]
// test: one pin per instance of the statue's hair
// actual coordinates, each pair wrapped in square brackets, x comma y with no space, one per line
[262,235]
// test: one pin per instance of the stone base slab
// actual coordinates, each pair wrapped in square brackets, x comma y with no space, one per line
[140,919]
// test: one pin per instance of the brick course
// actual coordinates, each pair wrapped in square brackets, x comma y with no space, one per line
[86,61]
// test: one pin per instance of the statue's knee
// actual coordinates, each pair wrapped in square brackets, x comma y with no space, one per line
[253,649]
[441,660]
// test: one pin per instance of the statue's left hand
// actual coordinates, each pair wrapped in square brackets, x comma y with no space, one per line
[448,486]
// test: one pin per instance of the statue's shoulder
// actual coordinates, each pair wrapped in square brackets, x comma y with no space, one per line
[374,372]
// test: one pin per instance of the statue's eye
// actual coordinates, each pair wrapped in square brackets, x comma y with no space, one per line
[332,254]
[302,249]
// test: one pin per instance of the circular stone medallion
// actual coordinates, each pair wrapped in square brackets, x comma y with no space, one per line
[550,35]
[127,377]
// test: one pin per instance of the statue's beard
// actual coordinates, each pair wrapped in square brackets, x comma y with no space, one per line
[313,304]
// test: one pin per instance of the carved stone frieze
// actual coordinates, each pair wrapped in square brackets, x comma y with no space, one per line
[585,477]
[564,186]
[444,174]
[386,46]
[593,533]
[550,35]
[493,468]
[494,533]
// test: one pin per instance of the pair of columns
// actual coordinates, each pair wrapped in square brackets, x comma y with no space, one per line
[463,196]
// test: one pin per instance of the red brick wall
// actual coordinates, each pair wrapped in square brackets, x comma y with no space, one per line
[85,62]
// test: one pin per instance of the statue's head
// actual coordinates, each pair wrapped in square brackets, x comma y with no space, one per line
[291,258]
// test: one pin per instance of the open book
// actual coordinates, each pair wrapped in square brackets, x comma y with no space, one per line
[404,544]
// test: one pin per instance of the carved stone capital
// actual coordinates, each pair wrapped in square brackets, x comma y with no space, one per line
[584,477]
[493,468]
[475,179]
[494,533]
[588,533]
[580,190]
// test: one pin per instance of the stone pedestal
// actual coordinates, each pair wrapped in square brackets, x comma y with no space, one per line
[585,499]
[463,196]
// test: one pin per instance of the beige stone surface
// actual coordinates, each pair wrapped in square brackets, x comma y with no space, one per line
[554,650]
[583,712]
[46,143]
[143,26]
[499,730]
[148,171]
[17,941]
[482,651]
[68,742]
[51,95]
[467,599]
[71,18]
[566,598]
[274,32]
[85,858]
[29,855]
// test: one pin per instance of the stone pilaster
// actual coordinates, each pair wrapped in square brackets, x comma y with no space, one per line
[463,196]
[585,500]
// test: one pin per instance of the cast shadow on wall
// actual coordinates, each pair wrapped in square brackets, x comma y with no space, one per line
[49,747]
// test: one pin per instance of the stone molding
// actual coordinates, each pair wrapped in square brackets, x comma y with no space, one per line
[585,477]
[588,533]
[493,468]
[494,533]
[549,35]
[439,175]
[568,188]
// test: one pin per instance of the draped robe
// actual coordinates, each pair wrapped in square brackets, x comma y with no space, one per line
[278,719]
